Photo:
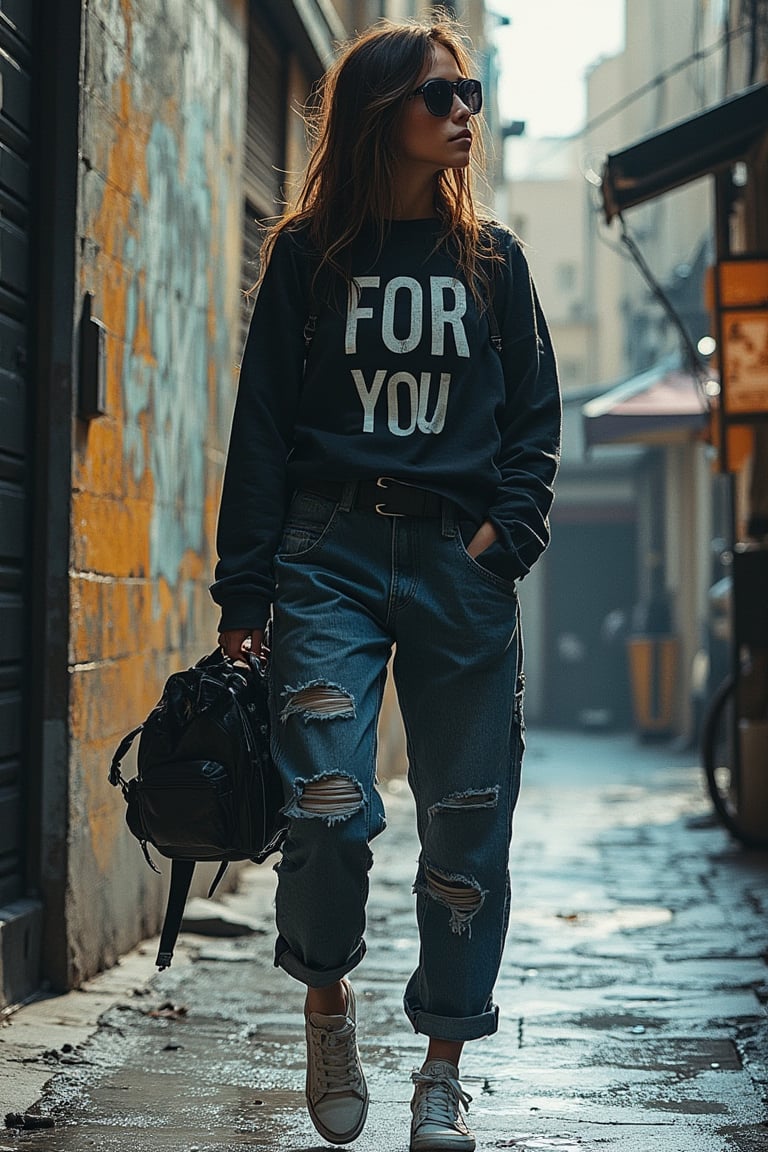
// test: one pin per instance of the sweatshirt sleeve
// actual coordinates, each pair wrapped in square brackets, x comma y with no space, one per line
[254,492]
[530,448]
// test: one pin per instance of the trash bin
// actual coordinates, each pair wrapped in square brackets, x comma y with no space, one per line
[653,662]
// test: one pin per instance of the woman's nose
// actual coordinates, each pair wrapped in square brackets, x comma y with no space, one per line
[460,110]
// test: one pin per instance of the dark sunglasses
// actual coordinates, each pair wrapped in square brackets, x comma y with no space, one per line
[438,95]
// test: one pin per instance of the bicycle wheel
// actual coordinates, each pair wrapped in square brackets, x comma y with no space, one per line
[719,758]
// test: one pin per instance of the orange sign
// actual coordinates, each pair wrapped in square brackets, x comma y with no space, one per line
[743,283]
[744,360]
[741,290]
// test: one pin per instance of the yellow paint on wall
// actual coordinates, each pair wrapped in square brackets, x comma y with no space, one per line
[128,632]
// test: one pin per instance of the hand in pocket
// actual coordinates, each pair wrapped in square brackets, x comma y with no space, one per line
[482,539]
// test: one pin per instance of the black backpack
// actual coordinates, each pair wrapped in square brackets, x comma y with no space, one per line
[206,787]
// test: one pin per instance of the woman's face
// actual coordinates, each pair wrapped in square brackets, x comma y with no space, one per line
[429,142]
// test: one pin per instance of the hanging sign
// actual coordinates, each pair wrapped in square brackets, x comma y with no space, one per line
[744,361]
[742,296]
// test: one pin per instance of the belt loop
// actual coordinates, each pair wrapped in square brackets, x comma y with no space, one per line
[348,496]
[448,518]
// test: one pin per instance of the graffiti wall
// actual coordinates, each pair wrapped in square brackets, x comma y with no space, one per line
[162,124]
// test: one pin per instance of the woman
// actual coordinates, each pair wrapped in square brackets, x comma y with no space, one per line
[388,481]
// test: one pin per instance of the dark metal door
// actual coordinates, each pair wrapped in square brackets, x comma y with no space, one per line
[15,303]
[591,590]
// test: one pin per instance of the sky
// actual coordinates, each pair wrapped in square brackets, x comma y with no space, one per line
[543,54]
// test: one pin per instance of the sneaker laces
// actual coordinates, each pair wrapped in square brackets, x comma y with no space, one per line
[335,1060]
[439,1101]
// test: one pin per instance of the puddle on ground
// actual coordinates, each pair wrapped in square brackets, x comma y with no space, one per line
[529,1143]
[598,924]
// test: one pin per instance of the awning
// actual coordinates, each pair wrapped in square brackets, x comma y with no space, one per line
[660,406]
[687,151]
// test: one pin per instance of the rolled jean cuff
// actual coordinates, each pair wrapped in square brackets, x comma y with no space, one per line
[453,1027]
[313,978]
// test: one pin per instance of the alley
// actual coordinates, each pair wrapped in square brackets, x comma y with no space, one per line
[632,992]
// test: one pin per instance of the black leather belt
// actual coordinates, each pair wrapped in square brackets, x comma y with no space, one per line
[385,496]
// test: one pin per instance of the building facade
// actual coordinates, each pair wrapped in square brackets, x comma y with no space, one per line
[692,58]
[635,450]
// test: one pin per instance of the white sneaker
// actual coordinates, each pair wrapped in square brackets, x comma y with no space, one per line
[438,1125]
[337,1095]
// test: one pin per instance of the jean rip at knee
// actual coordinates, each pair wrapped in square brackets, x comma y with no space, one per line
[462,895]
[329,796]
[317,700]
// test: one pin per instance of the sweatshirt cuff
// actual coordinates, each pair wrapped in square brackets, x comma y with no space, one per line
[243,612]
[509,557]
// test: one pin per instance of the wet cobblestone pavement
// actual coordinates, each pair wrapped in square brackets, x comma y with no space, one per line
[632,992]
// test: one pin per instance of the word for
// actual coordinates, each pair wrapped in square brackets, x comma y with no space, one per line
[447,305]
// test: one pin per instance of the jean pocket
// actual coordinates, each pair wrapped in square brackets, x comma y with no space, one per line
[308,522]
[466,531]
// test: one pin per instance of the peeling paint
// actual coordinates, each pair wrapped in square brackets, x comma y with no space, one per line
[169,257]
[159,213]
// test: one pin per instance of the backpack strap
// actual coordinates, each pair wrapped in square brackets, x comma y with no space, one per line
[182,872]
[115,775]
[309,327]
[314,306]
[493,324]
[218,877]
[493,320]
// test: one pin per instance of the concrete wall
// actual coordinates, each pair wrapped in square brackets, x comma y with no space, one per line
[604,268]
[159,222]
[543,200]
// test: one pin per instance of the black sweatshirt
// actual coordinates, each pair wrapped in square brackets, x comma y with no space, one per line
[401,380]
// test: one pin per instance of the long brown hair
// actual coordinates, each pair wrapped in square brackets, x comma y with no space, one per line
[350,178]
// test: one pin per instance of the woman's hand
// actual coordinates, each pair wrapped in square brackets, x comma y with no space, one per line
[238,643]
[482,539]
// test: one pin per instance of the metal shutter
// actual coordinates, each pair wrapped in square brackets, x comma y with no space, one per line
[15,146]
[264,145]
[265,126]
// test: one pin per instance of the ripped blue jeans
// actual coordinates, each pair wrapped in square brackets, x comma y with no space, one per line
[351,585]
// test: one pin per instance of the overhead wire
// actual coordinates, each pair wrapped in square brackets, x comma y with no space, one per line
[655,82]
[693,360]
[629,246]
[661,78]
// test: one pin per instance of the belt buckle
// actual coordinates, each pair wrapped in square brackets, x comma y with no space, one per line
[380,507]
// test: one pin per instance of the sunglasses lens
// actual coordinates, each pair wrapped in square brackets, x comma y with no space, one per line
[470,92]
[438,97]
